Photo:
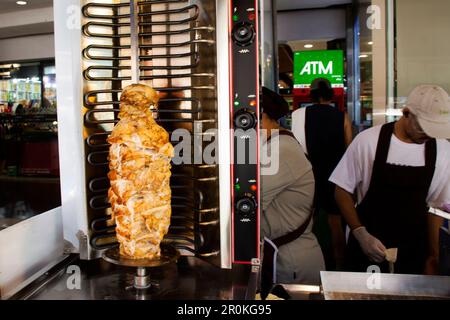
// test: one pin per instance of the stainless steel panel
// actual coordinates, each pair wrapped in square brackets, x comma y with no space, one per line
[372,286]
[28,249]
[224,145]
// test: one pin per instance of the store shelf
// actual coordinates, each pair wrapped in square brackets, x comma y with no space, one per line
[7,117]
[27,179]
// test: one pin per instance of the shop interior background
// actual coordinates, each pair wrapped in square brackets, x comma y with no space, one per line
[29,164]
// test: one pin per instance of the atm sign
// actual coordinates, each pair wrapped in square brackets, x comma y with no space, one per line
[309,65]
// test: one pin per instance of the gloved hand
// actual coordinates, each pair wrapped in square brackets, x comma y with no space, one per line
[371,246]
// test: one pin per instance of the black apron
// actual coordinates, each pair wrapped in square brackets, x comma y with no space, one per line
[270,247]
[394,210]
[324,134]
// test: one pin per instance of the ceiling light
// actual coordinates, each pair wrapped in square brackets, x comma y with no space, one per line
[21,3]
[308,46]
[370,43]
[9,66]
[363,56]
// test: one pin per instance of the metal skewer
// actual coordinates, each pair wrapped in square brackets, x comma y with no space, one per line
[134,31]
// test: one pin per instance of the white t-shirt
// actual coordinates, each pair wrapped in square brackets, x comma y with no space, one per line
[298,127]
[354,171]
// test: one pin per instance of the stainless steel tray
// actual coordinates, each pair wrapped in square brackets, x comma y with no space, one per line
[382,286]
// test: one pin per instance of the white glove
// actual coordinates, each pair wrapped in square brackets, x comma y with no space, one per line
[371,246]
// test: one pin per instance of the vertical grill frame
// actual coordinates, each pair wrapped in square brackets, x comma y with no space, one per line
[194,228]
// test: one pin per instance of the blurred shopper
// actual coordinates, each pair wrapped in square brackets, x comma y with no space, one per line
[291,251]
[324,132]
[397,170]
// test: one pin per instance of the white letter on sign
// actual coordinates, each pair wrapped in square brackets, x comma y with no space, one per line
[327,70]
[306,69]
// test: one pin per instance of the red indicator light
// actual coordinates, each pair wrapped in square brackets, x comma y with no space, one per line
[253,103]
[251,16]
[253,187]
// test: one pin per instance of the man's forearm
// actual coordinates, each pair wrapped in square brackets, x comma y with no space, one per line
[432,263]
[434,224]
[346,204]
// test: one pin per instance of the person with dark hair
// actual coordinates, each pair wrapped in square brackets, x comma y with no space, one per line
[291,251]
[19,109]
[324,133]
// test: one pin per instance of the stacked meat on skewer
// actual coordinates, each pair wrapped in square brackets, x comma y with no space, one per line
[139,162]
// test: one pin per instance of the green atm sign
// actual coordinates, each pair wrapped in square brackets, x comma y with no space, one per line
[309,65]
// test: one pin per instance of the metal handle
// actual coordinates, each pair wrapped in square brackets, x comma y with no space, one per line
[176,32]
[87,75]
[91,158]
[87,14]
[167,56]
[90,141]
[176,45]
[96,238]
[176,76]
[184,88]
[111,25]
[150,2]
[88,55]
[92,184]
[103,198]
[171,11]
[178,67]
[93,93]
[96,228]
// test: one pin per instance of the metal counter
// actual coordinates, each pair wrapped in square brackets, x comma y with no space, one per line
[384,286]
[371,286]
[190,278]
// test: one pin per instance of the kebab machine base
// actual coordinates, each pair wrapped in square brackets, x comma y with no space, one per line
[178,278]
[142,277]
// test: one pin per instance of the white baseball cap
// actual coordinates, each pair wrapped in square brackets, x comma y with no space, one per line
[431,105]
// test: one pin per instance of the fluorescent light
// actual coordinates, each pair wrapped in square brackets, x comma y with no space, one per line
[308,46]
[9,66]
[21,3]
[363,56]
[394,112]
[370,43]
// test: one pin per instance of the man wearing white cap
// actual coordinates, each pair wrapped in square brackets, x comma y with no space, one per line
[397,171]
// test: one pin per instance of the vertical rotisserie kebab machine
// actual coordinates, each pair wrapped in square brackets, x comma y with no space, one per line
[202,57]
